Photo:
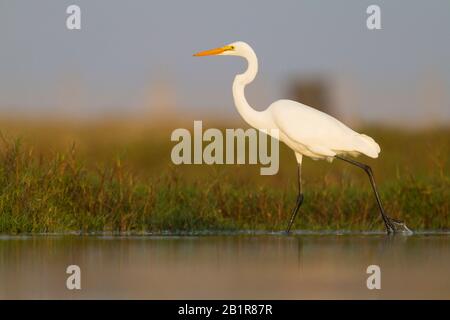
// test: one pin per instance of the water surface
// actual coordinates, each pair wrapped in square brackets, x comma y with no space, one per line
[235,266]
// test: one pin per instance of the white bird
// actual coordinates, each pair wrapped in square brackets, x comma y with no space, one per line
[307,131]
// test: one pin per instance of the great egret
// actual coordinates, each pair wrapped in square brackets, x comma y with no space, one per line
[307,131]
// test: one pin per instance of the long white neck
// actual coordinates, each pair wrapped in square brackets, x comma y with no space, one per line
[250,115]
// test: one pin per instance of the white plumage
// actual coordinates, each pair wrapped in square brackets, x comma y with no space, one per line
[315,134]
[307,131]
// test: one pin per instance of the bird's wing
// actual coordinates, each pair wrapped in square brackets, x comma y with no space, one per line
[316,130]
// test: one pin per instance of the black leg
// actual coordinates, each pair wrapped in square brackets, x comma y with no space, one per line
[392,225]
[299,198]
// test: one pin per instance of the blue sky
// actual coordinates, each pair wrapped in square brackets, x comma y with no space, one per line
[125,47]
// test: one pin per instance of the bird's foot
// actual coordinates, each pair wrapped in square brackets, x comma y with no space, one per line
[394,226]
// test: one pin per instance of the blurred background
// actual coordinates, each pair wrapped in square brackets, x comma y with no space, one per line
[118,87]
[134,59]
[130,67]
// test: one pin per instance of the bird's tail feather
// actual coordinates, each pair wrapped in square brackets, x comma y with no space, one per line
[368,146]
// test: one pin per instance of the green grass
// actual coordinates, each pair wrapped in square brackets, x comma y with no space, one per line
[119,186]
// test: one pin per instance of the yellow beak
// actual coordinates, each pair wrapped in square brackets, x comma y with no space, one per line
[213,51]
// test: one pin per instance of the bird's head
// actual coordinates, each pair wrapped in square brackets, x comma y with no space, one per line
[238,48]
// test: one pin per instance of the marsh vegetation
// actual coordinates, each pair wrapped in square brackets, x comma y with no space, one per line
[117,176]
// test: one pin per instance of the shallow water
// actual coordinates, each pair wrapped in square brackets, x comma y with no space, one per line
[240,266]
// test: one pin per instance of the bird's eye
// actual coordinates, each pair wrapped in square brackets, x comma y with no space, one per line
[232,47]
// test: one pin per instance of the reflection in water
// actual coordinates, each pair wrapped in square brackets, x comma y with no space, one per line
[234,266]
